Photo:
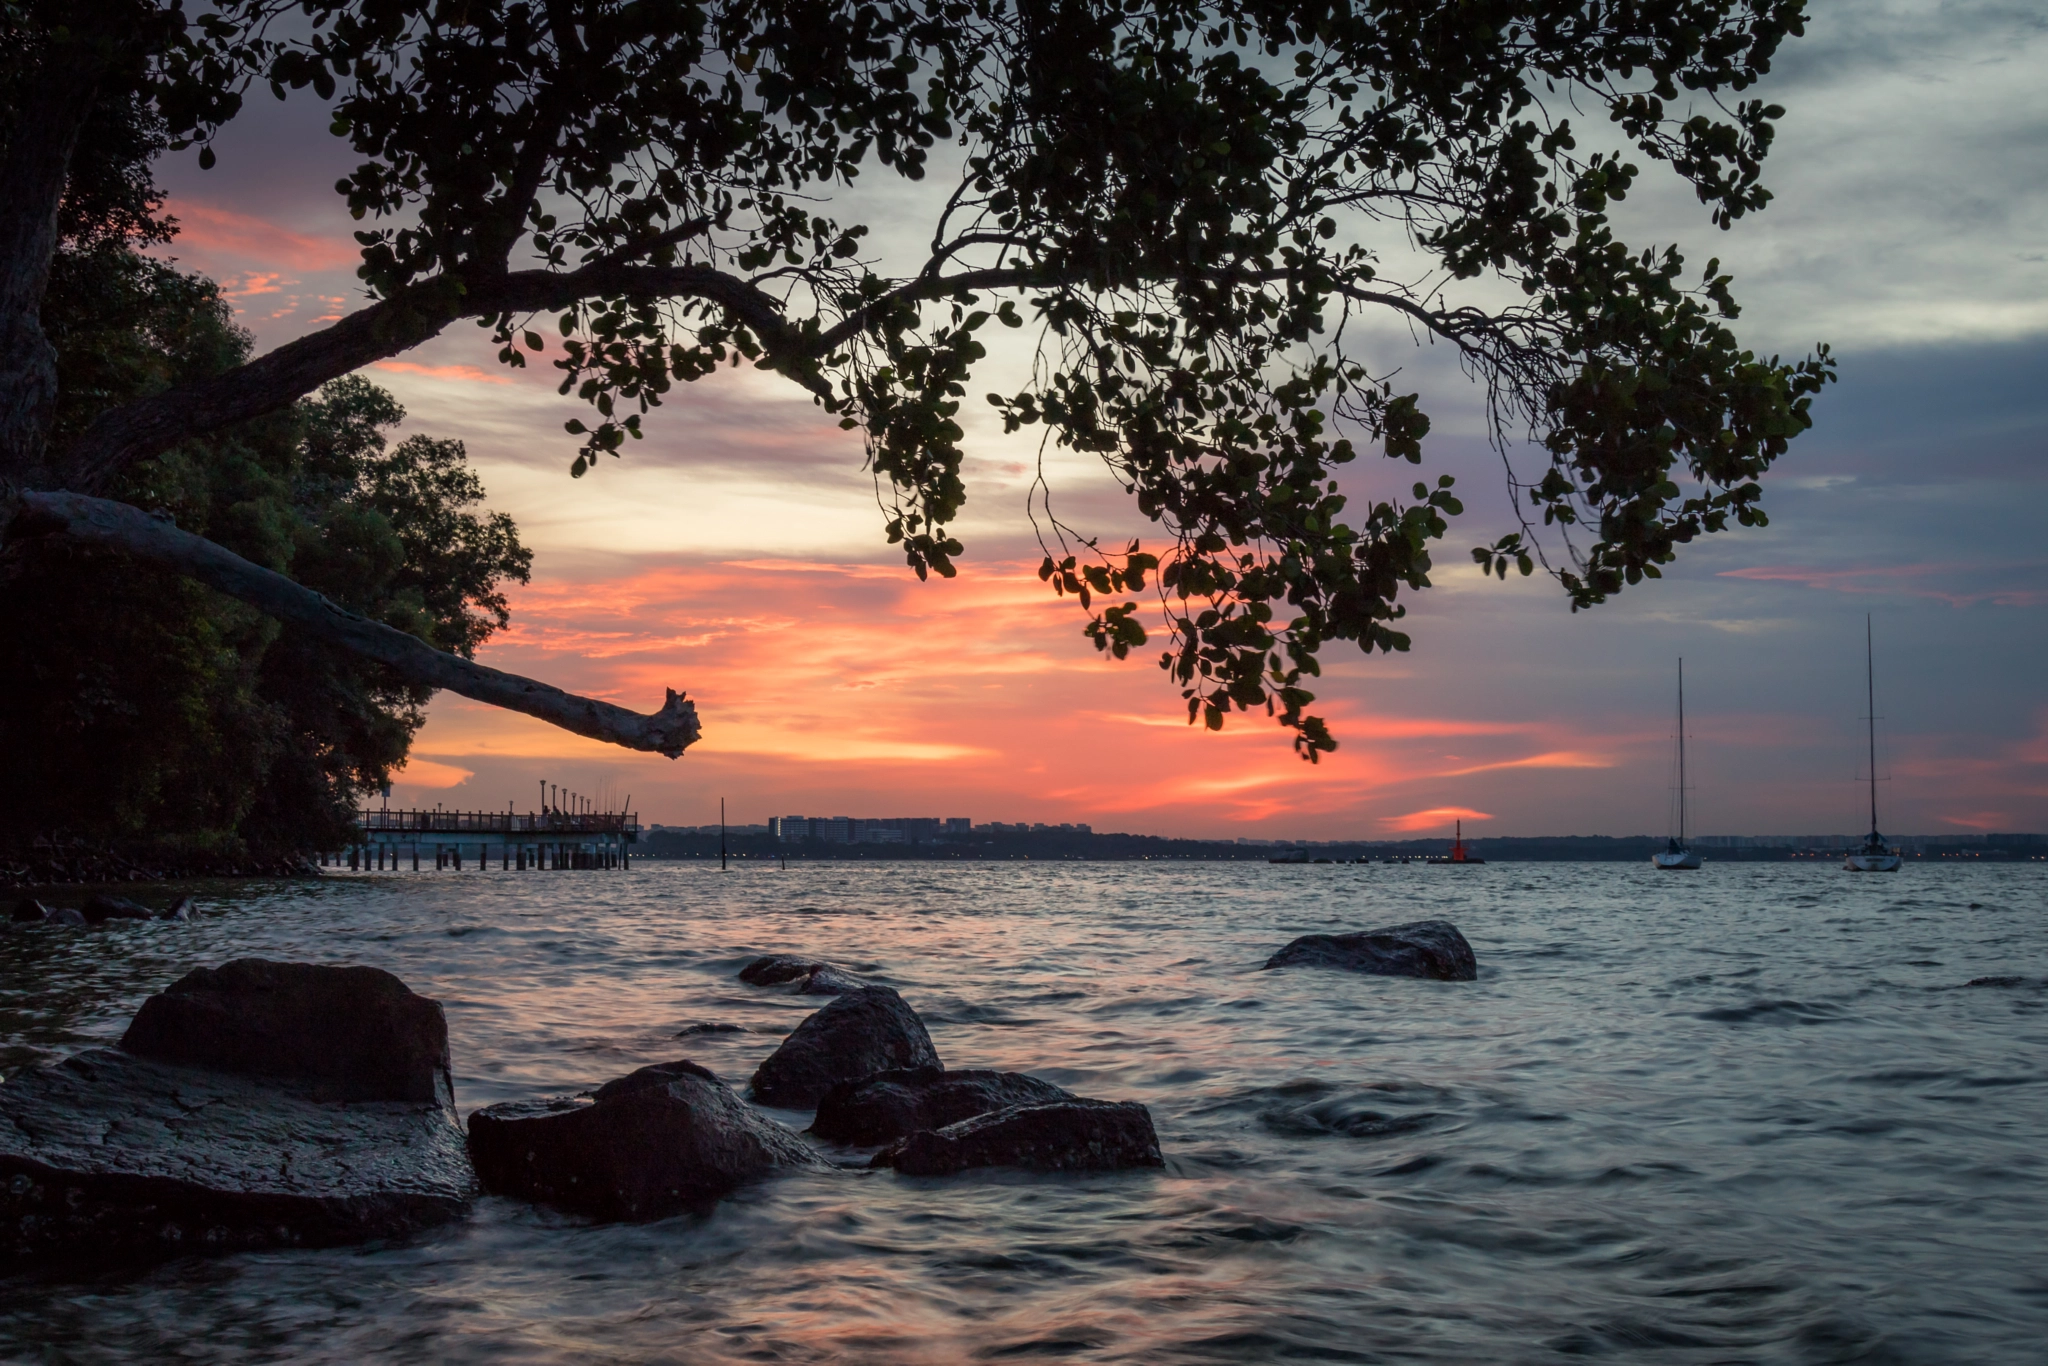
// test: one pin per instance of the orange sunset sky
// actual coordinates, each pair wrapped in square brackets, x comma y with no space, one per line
[737,554]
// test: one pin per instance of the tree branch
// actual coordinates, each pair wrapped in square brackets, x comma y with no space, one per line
[109,525]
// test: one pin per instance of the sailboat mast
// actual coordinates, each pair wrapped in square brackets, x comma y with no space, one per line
[1870,701]
[1681,750]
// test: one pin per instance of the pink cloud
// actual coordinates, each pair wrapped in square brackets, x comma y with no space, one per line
[1435,818]
[226,233]
[467,373]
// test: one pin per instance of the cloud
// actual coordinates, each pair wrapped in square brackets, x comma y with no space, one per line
[1913,580]
[419,772]
[224,233]
[1435,818]
[465,373]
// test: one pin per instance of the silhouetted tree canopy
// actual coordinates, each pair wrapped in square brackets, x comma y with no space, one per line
[1192,210]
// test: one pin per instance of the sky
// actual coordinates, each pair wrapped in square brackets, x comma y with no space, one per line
[737,553]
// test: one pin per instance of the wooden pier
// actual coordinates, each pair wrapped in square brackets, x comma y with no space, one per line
[528,842]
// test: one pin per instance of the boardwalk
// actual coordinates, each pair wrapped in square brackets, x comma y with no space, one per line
[529,841]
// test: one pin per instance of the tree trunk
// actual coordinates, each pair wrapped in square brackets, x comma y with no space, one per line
[109,525]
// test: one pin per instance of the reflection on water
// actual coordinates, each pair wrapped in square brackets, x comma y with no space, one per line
[1744,1115]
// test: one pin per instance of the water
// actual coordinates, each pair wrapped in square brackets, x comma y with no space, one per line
[1744,1115]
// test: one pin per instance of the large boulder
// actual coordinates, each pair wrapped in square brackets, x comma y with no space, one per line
[105,1155]
[666,1139]
[812,977]
[1064,1136]
[1426,948]
[891,1105]
[347,1033]
[260,1105]
[861,1033]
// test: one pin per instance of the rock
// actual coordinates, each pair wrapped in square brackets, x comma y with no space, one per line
[1065,1136]
[181,909]
[666,1139]
[30,911]
[812,978]
[108,1156]
[708,1027]
[892,1105]
[349,1033]
[861,1033]
[103,908]
[65,915]
[1427,948]
[1996,982]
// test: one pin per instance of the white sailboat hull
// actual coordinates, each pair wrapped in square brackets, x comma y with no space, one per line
[1684,858]
[1872,863]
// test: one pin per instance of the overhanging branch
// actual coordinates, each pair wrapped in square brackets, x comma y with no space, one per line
[117,526]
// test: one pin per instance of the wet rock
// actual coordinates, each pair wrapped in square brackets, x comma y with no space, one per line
[1996,982]
[181,909]
[65,915]
[29,911]
[708,1027]
[892,1105]
[103,908]
[663,1140]
[259,1105]
[812,978]
[1065,1136]
[349,1033]
[861,1033]
[1426,948]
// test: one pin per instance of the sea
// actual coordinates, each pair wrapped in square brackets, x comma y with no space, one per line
[1750,1114]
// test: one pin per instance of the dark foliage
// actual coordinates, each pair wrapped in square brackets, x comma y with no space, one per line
[150,712]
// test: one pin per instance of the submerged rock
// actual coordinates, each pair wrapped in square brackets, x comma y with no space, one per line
[1064,1136]
[863,1032]
[891,1105]
[350,1033]
[1996,982]
[103,908]
[1426,948]
[708,1027]
[812,977]
[260,1105]
[65,915]
[666,1139]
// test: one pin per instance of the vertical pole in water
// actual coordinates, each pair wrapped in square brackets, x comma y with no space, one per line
[1681,751]
[415,856]
[1870,700]
[721,834]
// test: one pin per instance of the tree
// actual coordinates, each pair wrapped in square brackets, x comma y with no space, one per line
[148,712]
[1189,205]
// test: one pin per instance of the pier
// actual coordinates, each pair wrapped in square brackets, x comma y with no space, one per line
[525,842]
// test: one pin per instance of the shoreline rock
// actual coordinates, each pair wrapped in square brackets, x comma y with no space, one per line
[664,1140]
[348,1033]
[892,1105]
[812,977]
[1423,948]
[857,1035]
[256,1105]
[1064,1136]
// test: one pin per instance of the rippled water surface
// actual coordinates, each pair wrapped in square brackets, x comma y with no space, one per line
[1748,1114]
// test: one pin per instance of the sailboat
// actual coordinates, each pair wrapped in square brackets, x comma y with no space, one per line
[1875,856]
[1459,853]
[1677,853]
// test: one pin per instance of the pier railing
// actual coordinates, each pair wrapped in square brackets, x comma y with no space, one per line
[510,824]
